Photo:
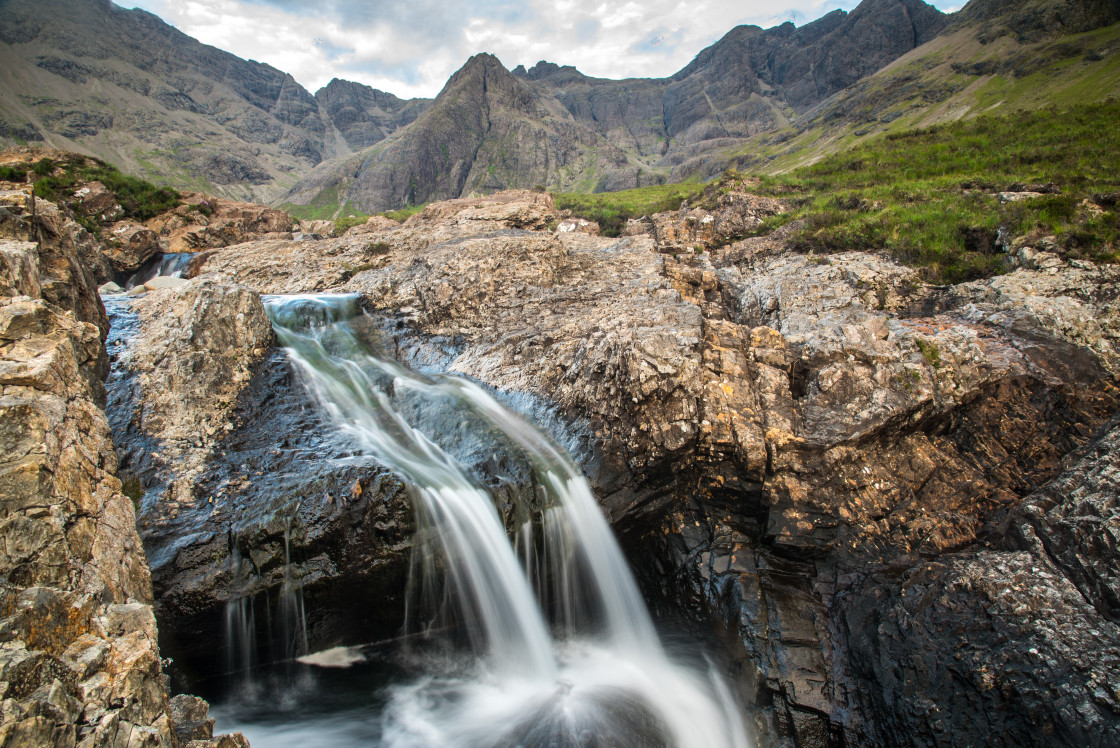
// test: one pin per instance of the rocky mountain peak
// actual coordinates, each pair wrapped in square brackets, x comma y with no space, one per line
[1032,20]
[483,79]
[550,71]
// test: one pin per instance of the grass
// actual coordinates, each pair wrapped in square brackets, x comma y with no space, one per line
[140,200]
[611,210]
[928,196]
[348,216]
[349,222]
[405,212]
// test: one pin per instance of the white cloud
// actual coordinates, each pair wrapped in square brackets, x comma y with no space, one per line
[411,48]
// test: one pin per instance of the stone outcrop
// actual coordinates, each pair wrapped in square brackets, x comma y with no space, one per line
[242,494]
[79,662]
[1027,625]
[66,253]
[823,455]
[735,215]
[205,222]
[129,247]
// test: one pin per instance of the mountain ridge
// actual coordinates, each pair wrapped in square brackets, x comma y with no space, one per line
[200,118]
[644,129]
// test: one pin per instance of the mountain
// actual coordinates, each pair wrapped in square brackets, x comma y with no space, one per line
[996,56]
[485,131]
[120,84]
[88,76]
[553,126]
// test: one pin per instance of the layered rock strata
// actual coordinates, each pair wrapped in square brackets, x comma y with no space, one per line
[796,447]
[79,661]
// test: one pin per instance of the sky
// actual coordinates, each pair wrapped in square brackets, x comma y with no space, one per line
[411,47]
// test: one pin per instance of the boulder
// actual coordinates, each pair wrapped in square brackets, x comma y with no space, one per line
[164,281]
[128,246]
[204,222]
[95,200]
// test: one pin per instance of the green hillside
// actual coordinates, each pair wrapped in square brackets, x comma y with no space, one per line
[930,196]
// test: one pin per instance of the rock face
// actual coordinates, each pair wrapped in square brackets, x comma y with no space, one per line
[364,115]
[205,222]
[821,454]
[1027,626]
[79,662]
[243,495]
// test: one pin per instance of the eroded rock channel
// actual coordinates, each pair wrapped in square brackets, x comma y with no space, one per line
[892,507]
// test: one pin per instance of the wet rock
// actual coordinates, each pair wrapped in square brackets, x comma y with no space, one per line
[246,491]
[110,288]
[191,717]
[203,338]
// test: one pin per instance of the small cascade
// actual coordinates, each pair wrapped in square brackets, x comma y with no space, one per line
[555,645]
[170,265]
[254,625]
[293,616]
[240,624]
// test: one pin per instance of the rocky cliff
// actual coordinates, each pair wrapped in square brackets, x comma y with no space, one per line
[885,494]
[79,663]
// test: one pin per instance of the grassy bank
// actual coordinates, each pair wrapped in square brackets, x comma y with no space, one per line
[58,180]
[611,210]
[929,197]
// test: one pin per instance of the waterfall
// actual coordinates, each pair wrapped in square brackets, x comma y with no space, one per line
[560,649]
[169,265]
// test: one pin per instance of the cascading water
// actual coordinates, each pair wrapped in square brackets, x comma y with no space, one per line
[169,265]
[560,649]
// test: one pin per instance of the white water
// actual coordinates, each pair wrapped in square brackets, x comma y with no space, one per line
[168,265]
[598,675]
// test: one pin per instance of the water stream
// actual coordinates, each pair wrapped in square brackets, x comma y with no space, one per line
[171,265]
[543,639]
